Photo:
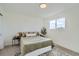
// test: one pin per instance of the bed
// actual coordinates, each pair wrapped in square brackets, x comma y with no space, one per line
[35,45]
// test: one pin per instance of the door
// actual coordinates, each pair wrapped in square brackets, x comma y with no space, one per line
[0,26]
[1,39]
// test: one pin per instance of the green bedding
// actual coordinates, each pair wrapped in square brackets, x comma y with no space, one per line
[29,44]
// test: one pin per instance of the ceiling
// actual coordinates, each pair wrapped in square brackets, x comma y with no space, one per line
[33,9]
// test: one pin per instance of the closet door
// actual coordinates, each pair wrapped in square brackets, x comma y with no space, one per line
[0,26]
[1,38]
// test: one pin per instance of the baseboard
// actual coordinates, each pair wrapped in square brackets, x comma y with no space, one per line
[71,52]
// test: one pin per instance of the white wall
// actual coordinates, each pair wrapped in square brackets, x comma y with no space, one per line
[15,22]
[68,37]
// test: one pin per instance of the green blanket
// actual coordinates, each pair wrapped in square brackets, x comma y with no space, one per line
[32,43]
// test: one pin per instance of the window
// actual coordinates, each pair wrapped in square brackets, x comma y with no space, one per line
[59,23]
[52,24]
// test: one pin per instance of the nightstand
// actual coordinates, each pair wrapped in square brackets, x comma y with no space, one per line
[16,38]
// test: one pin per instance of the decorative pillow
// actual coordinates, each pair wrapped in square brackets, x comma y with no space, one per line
[17,34]
[31,34]
[37,34]
[23,34]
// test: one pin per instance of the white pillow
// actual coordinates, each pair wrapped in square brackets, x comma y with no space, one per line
[31,34]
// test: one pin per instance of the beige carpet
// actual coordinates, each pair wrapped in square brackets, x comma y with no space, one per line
[14,50]
[9,51]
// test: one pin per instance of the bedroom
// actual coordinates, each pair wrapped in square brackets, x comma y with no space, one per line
[31,18]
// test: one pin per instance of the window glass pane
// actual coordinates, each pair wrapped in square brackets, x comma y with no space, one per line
[61,23]
[52,24]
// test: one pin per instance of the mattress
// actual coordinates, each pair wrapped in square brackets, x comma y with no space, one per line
[30,44]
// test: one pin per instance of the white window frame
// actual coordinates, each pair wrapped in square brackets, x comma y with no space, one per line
[52,24]
[58,23]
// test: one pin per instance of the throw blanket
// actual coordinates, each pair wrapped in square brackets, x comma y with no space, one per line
[29,44]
